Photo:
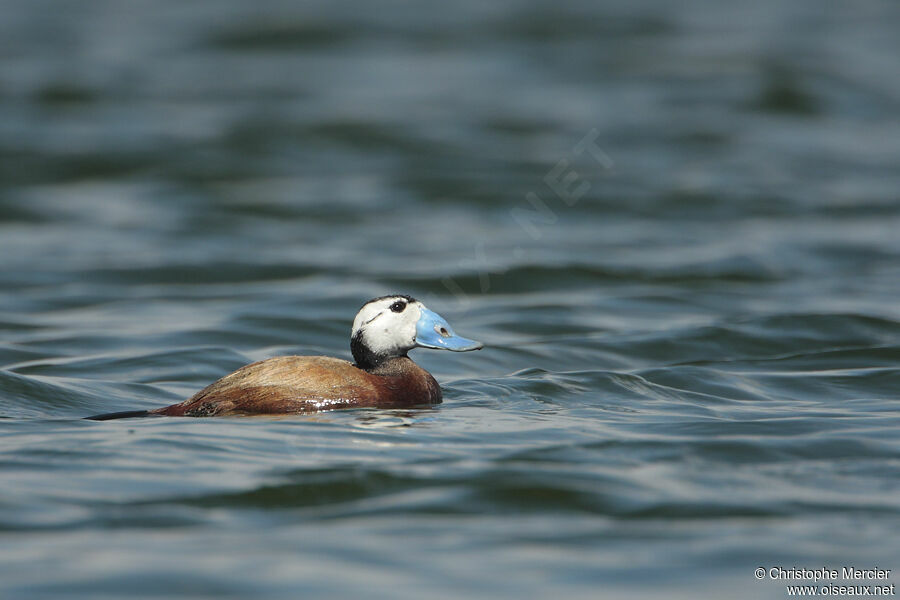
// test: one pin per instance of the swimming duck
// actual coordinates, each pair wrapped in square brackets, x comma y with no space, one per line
[383,376]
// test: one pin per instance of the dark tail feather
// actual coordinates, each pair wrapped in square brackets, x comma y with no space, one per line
[125,414]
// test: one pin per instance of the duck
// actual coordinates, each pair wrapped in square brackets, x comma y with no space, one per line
[383,376]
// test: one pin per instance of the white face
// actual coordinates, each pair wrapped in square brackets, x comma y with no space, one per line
[385,331]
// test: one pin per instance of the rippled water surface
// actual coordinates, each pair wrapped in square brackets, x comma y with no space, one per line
[675,226]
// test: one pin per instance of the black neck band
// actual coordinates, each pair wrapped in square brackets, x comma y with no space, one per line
[363,355]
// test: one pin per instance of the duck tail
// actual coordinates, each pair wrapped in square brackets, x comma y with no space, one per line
[125,414]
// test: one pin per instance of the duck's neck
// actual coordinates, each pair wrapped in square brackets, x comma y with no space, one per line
[368,360]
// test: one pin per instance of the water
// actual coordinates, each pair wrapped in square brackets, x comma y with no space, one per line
[692,357]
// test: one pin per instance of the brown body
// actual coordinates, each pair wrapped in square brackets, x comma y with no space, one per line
[300,384]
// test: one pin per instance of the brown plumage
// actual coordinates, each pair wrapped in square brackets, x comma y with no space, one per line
[300,384]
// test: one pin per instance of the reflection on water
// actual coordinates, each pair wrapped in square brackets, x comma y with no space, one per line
[673,226]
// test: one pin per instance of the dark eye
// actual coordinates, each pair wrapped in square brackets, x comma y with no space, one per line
[398,306]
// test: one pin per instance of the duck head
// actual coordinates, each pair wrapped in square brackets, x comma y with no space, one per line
[391,326]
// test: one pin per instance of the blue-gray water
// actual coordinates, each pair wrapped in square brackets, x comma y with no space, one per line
[692,355]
